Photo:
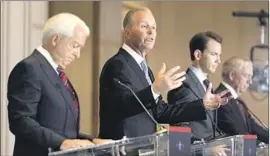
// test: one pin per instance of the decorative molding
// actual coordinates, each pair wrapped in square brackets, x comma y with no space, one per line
[27,28]
[4,65]
[38,25]
[96,55]
[37,22]
[107,28]
[16,44]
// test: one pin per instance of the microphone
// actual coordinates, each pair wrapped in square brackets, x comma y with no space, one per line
[145,109]
[264,126]
[215,125]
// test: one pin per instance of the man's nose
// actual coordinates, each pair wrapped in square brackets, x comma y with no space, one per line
[77,54]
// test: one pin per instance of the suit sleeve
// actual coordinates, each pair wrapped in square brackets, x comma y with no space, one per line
[24,94]
[182,107]
[184,112]
[262,134]
[85,136]
[226,123]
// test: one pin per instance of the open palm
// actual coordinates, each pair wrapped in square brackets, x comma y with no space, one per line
[213,101]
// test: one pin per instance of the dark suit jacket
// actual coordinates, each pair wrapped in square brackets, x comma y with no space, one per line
[202,128]
[40,110]
[122,115]
[231,120]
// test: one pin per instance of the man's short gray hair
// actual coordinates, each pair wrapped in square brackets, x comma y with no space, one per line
[127,22]
[63,24]
[236,64]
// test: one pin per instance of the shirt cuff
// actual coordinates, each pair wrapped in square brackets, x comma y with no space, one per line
[155,95]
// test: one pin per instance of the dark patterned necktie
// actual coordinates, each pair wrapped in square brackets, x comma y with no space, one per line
[65,81]
[206,83]
[240,104]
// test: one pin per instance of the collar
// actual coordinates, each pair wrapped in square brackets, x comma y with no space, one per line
[48,57]
[138,58]
[230,88]
[199,74]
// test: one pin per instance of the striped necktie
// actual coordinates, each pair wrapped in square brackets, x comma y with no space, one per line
[65,81]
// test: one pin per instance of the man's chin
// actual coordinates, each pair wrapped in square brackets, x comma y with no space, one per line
[147,49]
[150,47]
[211,71]
[66,64]
[214,70]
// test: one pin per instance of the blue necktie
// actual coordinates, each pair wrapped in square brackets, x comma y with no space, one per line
[145,70]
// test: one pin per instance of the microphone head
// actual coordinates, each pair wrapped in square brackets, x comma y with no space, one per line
[116,80]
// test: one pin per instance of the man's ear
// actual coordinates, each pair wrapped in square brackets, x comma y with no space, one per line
[127,33]
[231,75]
[197,54]
[55,39]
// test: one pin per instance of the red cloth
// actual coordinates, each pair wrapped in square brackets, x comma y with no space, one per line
[65,81]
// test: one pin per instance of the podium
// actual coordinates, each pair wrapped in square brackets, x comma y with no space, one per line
[174,142]
[238,145]
[150,145]
[262,150]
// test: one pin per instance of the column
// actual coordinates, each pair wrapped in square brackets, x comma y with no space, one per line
[21,27]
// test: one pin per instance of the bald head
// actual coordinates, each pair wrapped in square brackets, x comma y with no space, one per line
[128,20]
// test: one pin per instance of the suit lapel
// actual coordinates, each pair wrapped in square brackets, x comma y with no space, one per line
[75,93]
[151,75]
[247,124]
[238,112]
[195,84]
[134,66]
[78,114]
[55,80]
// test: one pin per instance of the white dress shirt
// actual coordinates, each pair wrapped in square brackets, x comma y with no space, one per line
[199,74]
[138,58]
[48,57]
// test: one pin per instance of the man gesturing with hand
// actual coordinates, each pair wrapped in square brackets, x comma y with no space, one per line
[121,114]
[167,81]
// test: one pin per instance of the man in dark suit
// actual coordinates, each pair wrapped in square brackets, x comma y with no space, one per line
[120,112]
[234,118]
[43,108]
[205,51]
